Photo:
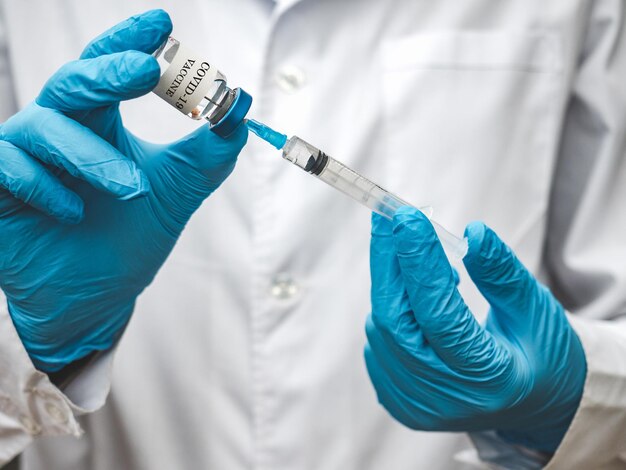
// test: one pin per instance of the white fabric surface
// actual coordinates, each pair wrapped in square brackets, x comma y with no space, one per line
[510,112]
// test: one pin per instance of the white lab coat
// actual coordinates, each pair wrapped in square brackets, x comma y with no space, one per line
[246,352]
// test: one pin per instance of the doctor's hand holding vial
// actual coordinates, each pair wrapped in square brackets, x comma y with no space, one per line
[89,213]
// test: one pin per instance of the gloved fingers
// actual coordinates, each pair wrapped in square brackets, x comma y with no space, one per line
[419,371]
[144,32]
[391,310]
[383,386]
[426,394]
[447,324]
[206,149]
[107,123]
[388,293]
[410,352]
[60,141]
[95,83]
[404,406]
[210,156]
[457,278]
[27,180]
[501,278]
[186,172]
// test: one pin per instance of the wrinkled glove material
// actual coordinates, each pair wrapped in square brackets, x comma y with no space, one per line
[89,212]
[434,367]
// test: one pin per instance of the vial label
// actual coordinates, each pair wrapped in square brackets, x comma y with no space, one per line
[186,81]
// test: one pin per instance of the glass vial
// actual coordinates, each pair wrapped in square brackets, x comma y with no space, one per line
[196,88]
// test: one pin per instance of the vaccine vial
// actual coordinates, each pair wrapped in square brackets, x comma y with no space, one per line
[198,89]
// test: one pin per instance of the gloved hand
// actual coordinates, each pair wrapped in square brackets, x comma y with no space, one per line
[71,280]
[435,368]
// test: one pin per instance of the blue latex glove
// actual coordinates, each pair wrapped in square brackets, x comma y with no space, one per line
[435,368]
[71,280]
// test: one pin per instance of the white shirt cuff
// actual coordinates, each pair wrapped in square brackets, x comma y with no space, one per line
[595,436]
[595,439]
[31,405]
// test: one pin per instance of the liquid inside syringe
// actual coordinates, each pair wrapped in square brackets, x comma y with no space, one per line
[339,176]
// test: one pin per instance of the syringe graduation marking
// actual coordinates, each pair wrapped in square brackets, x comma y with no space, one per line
[348,181]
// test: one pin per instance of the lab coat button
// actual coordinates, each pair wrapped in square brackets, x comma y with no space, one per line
[283,287]
[30,425]
[290,78]
[56,413]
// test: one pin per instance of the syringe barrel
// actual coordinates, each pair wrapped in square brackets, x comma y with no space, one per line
[361,189]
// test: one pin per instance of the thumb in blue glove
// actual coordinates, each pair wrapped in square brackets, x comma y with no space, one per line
[435,368]
[71,288]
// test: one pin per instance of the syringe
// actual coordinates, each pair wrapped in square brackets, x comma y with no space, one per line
[339,176]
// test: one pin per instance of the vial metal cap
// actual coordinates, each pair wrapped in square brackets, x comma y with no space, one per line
[235,114]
